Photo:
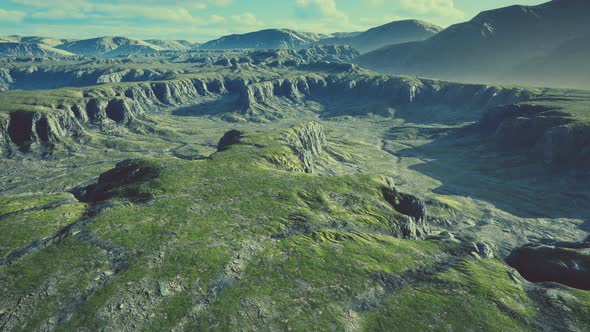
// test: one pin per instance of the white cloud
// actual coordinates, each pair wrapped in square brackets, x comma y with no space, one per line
[441,8]
[130,11]
[435,8]
[219,3]
[246,19]
[215,19]
[11,15]
[320,8]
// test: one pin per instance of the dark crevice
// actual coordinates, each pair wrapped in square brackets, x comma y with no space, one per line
[564,263]
[42,129]
[405,204]
[20,129]
[115,110]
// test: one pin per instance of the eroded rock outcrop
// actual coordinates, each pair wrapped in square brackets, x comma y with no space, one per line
[303,148]
[25,129]
[5,79]
[120,104]
[308,142]
[412,212]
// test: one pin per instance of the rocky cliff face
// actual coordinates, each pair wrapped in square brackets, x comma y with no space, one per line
[5,79]
[412,222]
[123,103]
[308,142]
[302,148]
[26,130]
[544,132]
[399,91]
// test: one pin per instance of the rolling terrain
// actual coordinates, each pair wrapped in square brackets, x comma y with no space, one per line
[285,181]
[306,195]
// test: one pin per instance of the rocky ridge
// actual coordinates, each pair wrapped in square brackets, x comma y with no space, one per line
[542,131]
[398,90]
[125,102]
[33,77]
[23,130]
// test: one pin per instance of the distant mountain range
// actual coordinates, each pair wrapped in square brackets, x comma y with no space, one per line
[109,46]
[545,45]
[372,39]
[30,49]
[101,47]
[266,39]
[364,41]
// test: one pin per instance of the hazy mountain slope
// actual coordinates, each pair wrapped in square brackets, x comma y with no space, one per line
[396,32]
[109,46]
[29,49]
[566,65]
[265,39]
[488,47]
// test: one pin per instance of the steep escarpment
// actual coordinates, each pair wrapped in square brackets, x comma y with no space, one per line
[544,131]
[41,125]
[398,91]
[5,79]
[307,142]
[413,210]
[29,129]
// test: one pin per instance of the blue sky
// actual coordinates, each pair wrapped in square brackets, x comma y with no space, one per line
[201,20]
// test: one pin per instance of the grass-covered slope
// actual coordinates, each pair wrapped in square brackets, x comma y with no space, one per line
[239,241]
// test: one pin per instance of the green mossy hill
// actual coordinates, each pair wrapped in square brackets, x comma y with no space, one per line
[235,242]
[238,241]
[202,227]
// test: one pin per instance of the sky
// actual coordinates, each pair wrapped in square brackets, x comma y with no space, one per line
[202,20]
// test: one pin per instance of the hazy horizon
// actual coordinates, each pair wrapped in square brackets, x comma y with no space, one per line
[208,19]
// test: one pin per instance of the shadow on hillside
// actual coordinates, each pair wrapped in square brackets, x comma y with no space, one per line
[511,182]
[217,106]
